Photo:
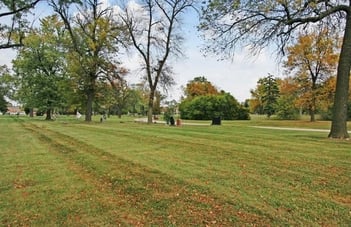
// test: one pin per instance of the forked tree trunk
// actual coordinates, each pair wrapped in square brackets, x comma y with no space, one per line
[339,122]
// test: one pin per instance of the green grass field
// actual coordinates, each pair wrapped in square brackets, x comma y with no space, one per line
[119,172]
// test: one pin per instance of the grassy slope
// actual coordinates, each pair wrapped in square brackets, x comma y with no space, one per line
[72,173]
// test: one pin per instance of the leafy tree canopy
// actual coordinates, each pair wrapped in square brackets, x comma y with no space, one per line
[207,107]
[199,86]
[39,68]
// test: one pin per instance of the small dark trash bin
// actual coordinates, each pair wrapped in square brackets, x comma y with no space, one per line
[216,121]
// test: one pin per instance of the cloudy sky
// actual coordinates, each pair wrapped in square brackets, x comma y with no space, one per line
[236,76]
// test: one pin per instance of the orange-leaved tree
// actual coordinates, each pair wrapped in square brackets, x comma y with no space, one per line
[199,86]
[312,60]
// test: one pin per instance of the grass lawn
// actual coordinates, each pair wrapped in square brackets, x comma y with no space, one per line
[70,173]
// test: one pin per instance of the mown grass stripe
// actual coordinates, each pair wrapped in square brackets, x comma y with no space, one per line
[240,174]
[137,183]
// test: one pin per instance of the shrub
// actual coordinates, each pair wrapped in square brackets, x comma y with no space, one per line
[285,109]
[207,107]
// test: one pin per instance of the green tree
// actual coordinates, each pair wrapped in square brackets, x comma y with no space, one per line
[227,24]
[266,94]
[39,68]
[121,94]
[93,32]
[154,33]
[3,104]
[6,82]
[207,107]
[3,88]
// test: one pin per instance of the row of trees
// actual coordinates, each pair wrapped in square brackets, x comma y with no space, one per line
[293,97]
[227,24]
[151,29]
[310,85]
[74,56]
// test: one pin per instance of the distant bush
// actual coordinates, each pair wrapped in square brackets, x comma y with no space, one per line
[286,110]
[207,107]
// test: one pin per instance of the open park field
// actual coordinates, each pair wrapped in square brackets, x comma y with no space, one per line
[119,172]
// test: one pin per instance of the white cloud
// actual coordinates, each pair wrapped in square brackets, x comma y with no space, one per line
[237,76]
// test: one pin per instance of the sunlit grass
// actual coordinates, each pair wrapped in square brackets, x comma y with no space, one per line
[68,172]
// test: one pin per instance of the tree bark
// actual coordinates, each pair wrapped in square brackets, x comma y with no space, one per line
[119,111]
[48,114]
[150,107]
[312,114]
[339,120]
[312,107]
[89,110]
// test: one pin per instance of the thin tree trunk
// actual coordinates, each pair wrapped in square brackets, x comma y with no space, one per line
[312,107]
[149,112]
[339,121]
[312,115]
[150,107]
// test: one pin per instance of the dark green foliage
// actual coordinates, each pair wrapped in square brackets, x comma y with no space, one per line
[39,69]
[265,96]
[286,109]
[210,106]
[27,110]
[270,95]
[3,104]
[243,113]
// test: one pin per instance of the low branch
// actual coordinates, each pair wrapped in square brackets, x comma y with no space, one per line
[28,6]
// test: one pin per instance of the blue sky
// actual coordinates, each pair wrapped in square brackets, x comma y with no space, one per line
[237,75]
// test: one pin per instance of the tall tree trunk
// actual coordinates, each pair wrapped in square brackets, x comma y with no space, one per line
[89,107]
[313,104]
[312,115]
[339,122]
[48,114]
[119,111]
[150,107]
